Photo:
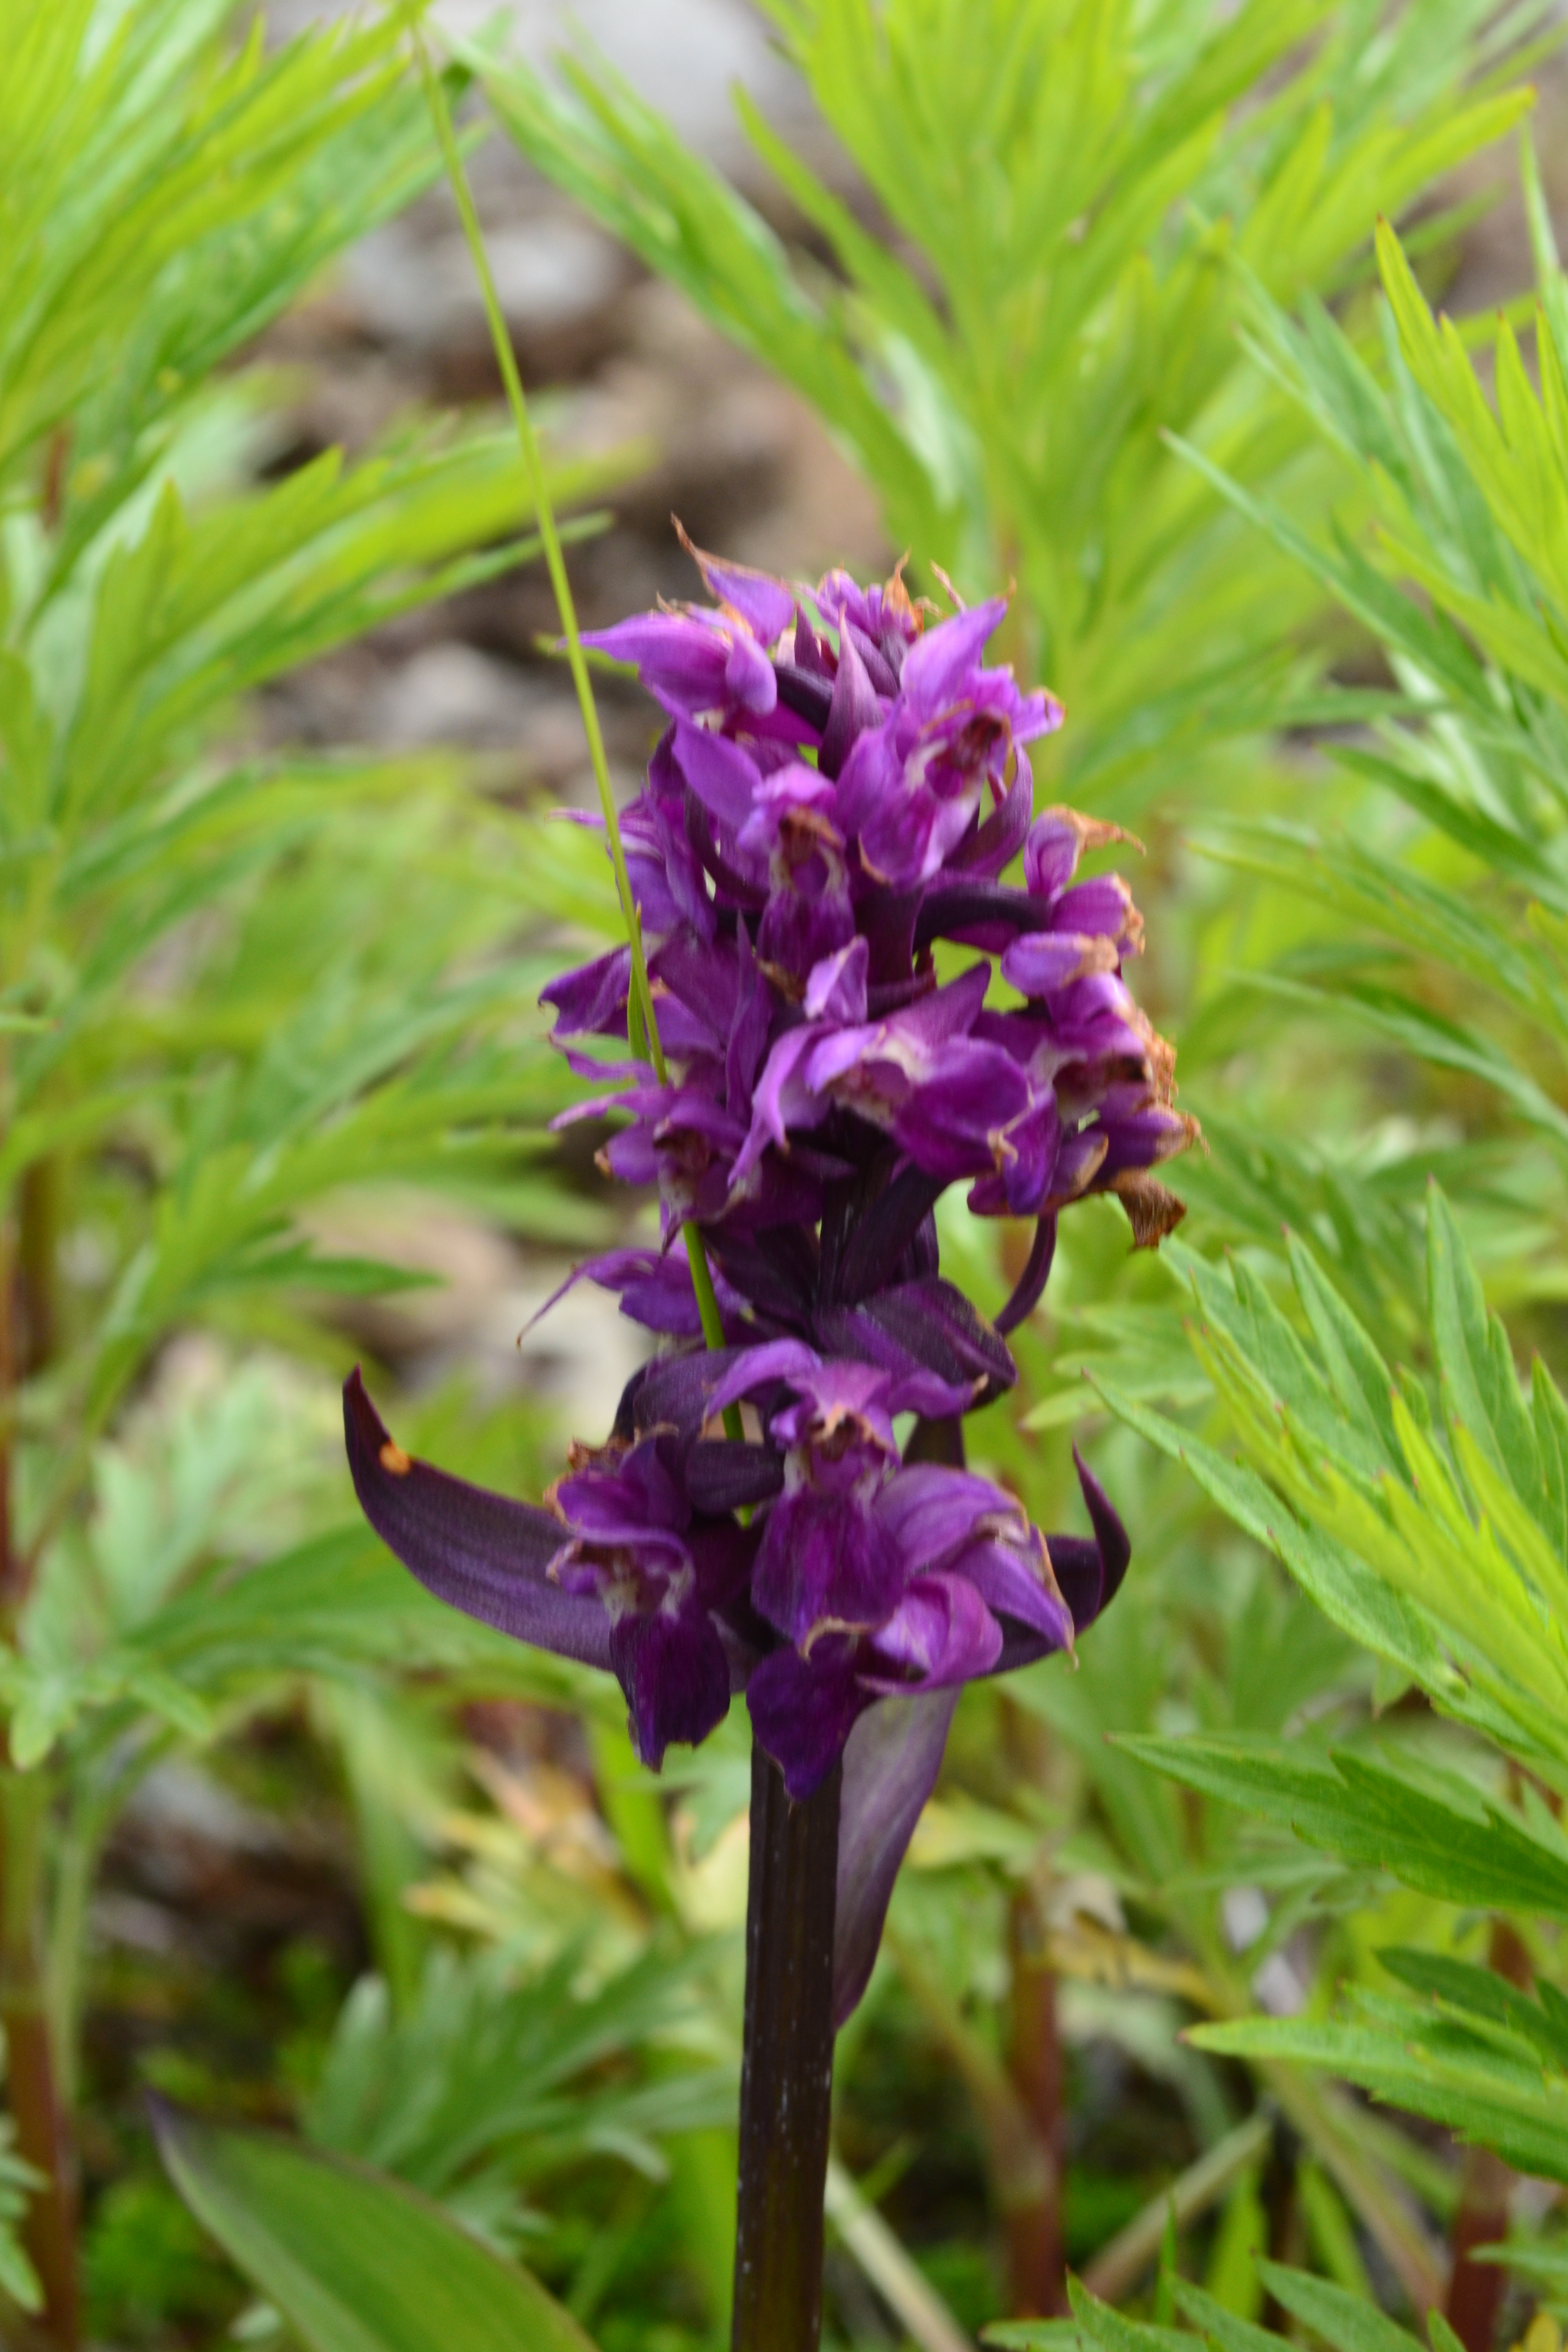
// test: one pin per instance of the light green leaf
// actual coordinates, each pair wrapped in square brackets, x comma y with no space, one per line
[1344,2320]
[1440,1838]
[354,2260]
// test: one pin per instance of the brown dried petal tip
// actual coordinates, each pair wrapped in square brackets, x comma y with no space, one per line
[1153,1210]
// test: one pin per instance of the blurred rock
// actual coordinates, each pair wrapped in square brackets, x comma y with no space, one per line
[480,1317]
[450,693]
[559,280]
[682,56]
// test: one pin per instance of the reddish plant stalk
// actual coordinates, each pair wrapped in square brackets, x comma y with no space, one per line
[1474,2300]
[1037,2264]
[43,2138]
[787,2069]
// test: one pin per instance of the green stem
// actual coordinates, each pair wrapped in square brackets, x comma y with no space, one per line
[641,1007]
[1120,2264]
[1021,2169]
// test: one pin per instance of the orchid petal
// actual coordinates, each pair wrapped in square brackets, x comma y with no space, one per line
[803,1711]
[854,707]
[835,987]
[1044,961]
[936,664]
[679,659]
[749,675]
[776,1360]
[481,1553]
[826,1565]
[764,603]
[675,1672]
[725,779]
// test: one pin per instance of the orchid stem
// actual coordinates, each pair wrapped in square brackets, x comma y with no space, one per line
[787,2066]
[641,1012]
[42,2124]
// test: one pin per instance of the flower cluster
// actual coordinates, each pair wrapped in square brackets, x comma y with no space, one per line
[819,816]
[855,1012]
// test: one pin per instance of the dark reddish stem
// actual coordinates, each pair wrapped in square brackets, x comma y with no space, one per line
[49,2229]
[787,2068]
[1474,2300]
[43,2138]
[1036,2266]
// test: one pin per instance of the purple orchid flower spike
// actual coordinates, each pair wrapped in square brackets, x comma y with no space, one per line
[842,794]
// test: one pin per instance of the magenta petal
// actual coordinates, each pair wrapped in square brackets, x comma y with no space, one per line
[929,1395]
[1104,904]
[946,1012]
[637,1506]
[678,658]
[1011,1585]
[756,1368]
[631,1157]
[880,1239]
[941,1633]
[931,1511]
[825,1563]
[1078,1158]
[801,927]
[673,1391]
[1051,854]
[592,1000]
[835,987]
[853,710]
[925,1322]
[765,604]
[675,1672]
[997,842]
[749,675]
[655,1289]
[725,779]
[871,777]
[891,1765]
[783,1099]
[802,1710]
[1042,962]
[954,1123]
[731,1475]
[937,664]
[878,668]
[896,845]
[481,1553]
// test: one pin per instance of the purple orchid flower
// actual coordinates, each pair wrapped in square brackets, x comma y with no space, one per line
[629,1575]
[878,1576]
[911,787]
[840,794]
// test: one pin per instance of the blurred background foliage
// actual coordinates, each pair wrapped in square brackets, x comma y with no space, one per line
[1125,301]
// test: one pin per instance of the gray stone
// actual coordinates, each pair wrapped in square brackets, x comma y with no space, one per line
[680,56]
[452,693]
[552,272]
